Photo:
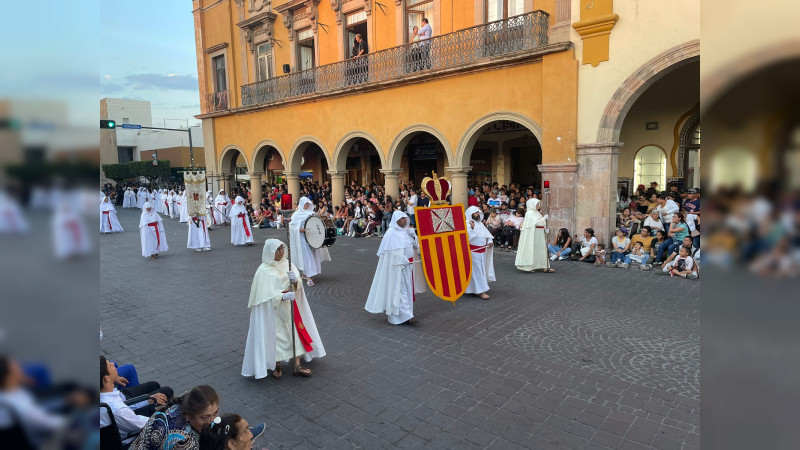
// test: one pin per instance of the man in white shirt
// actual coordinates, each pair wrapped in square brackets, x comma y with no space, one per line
[666,209]
[411,203]
[129,419]
[37,423]
[425,33]
[653,221]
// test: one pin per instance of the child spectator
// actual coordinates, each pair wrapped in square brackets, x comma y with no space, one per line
[681,266]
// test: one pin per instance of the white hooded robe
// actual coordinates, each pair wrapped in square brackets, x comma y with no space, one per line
[532,248]
[482,257]
[396,277]
[307,259]
[151,230]
[241,230]
[108,217]
[198,234]
[269,337]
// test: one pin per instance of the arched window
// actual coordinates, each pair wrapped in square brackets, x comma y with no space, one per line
[734,167]
[650,165]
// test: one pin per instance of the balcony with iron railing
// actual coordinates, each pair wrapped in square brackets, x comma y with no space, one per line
[449,51]
[218,101]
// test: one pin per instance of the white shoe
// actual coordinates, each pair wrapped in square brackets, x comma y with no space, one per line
[619,263]
[610,264]
[562,258]
[207,249]
[692,276]
[553,258]
[646,266]
[624,266]
[198,249]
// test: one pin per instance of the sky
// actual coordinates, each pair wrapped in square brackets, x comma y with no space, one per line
[148,53]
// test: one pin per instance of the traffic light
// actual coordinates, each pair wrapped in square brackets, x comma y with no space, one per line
[108,124]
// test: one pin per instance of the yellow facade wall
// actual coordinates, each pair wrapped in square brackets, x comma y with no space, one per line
[449,105]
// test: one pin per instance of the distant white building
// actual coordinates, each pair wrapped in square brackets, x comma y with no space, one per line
[123,145]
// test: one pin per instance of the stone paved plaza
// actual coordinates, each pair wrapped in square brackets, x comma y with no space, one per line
[587,357]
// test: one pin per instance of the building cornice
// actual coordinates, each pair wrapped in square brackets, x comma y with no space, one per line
[216,48]
[258,19]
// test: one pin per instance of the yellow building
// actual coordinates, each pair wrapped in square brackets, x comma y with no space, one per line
[503,90]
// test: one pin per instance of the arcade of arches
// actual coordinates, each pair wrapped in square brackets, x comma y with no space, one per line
[503,151]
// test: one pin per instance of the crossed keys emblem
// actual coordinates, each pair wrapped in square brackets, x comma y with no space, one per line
[442,220]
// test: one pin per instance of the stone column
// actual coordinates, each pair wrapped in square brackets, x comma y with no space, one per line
[225,182]
[337,187]
[596,188]
[560,201]
[392,185]
[255,189]
[293,184]
[560,31]
[458,180]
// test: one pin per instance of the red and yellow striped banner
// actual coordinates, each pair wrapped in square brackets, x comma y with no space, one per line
[444,247]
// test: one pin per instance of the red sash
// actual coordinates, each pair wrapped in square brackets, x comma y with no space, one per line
[244,224]
[477,248]
[540,227]
[158,236]
[214,219]
[76,231]
[302,333]
[108,217]
[166,205]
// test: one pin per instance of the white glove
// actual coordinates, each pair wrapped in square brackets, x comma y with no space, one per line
[292,276]
[289,296]
[546,216]
[546,231]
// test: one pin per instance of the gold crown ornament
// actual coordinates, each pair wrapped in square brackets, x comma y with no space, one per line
[436,188]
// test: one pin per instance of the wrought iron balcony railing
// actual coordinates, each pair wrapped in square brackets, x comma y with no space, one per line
[503,37]
[218,101]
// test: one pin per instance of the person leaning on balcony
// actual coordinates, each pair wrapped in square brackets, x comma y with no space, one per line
[425,33]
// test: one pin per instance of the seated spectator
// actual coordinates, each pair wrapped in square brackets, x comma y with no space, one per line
[511,230]
[648,246]
[600,255]
[625,221]
[374,219]
[678,230]
[661,247]
[653,221]
[179,426]
[637,254]
[561,247]
[229,432]
[493,223]
[587,245]
[493,201]
[675,247]
[38,424]
[621,245]
[682,266]
[129,419]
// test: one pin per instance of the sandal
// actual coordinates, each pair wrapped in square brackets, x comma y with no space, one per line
[277,372]
[310,282]
[483,296]
[549,271]
[301,371]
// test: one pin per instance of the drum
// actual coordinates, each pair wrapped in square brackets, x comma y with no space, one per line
[320,231]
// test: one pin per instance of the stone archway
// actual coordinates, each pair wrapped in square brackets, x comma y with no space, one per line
[630,90]
[398,148]
[295,163]
[471,135]
[228,158]
[341,152]
[263,158]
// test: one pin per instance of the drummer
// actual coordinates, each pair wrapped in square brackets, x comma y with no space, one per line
[306,258]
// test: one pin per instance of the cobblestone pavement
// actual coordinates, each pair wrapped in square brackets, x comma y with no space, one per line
[587,357]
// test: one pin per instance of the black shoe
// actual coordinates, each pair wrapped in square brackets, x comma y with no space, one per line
[412,322]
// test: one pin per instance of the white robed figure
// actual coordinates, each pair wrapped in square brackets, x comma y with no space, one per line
[141,198]
[397,277]
[269,338]
[164,196]
[183,207]
[532,248]
[11,218]
[481,252]
[198,234]
[210,216]
[153,199]
[241,230]
[151,230]
[69,232]
[126,198]
[307,259]
[220,206]
[172,202]
[108,218]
